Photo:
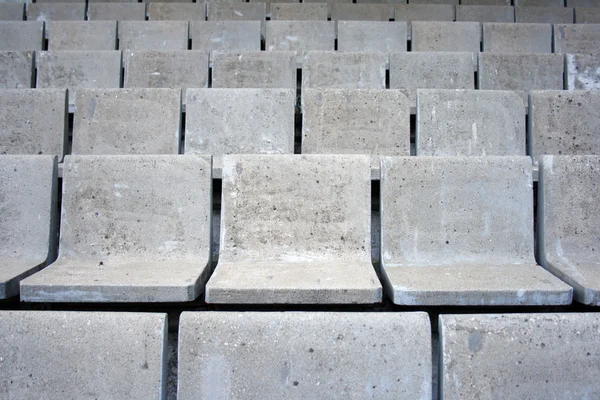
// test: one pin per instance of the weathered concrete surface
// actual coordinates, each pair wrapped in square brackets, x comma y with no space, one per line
[176,11]
[486,2]
[116,11]
[453,2]
[519,356]
[56,12]
[446,36]
[12,11]
[582,71]
[153,35]
[16,69]
[84,35]
[78,69]
[300,36]
[587,15]
[568,222]
[544,15]
[583,3]
[540,3]
[360,12]
[240,121]
[21,35]
[344,70]
[256,69]
[124,238]
[485,13]
[299,11]
[222,11]
[281,355]
[576,38]
[225,35]
[564,122]
[166,69]
[83,355]
[372,36]
[435,70]
[295,230]
[470,239]
[329,4]
[269,3]
[423,12]
[29,186]
[127,121]
[33,121]
[517,38]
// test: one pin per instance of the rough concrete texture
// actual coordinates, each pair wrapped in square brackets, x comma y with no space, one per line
[166,69]
[350,121]
[21,35]
[423,12]
[587,15]
[295,229]
[523,72]
[300,36]
[436,70]
[12,11]
[470,123]
[268,3]
[299,11]
[16,69]
[84,35]
[56,12]
[372,36]
[576,38]
[256,69]
[284,355]
[459,231]
[78,69]
[153,35]
[446,36]
[29,187]
[486,2]
[582,71]
[221,11]
[239,121]
[564,122]
[344,70]
[453,2]
[33,121]
[124,238]
[583,3]
[485,13]
[568,222]
[544,15]
[116,11]
[176,11]
[329,4]
[360,12]
[225,35]
[540,3]
[127,121]
[517,38]
[519,356]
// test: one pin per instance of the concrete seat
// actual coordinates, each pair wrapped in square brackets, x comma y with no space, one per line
[21,35]
[225,35]
[83,35]
[372,36]
[269,3]
[576,38]
[225,11]
[158,11]
[459,231]
[583,3]
[519,356]
[297,228]
[299,11]
[254,69]
[544,15]
[56,11]
[329,4]
[16,69]
[446,36]
[485,13]
[344,70]
[540,3]
[153,35]
[582,71]
[126,239]
[116,11]
[517,38]
[12,11]
[587,15]
[300,36]
[29,187]
[360,12]
[568,222]
[83,355]
[423,12]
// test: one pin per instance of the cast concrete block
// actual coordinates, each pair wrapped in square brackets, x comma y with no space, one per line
[446,36]
[486,2]
[300,36]
[83,35]
[176,11]
[587,15]
[583,3]
[329,3]
[268,3]
[344,70]
[295,229]
[12,11]
[16,69]
[222,11]
[544,15]
[225,35]
[21,35]
[56,12]
[360,12]
[453,2]
[577,38]
[133,229]
[254,69]
[485,13]
[153,35]
[116,11]
[582,71]
[517,38]
[372,36]
[423,12]
[540,3]
[459,231]
[299,11]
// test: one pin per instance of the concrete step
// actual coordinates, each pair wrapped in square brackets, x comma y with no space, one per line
[545,15]
[299,11]
[21,35]
[176,11]
[254,69]
[300,36]
[153,35]
[116,11]
[82,35]
[517,38]
[344,70]
[225,36]
[16,69]
[371,36]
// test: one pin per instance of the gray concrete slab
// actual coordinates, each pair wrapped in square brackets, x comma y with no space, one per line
[486,2]
[116,11]
[225,35]
[423,12]
[239,121]
[576,38]
[344,70]
[12,11]
[563,122]
[540,3]
[587,15]
[82,355]
[153,35]
[117,1]
[299,11]
[582,3]
[300,36]
[176,11]
[485,13]
[544,15]
[29,186]
[254,69]
[269,3]
[56,12]
[305,355]
[470,123]
[127,121]
[446,36]
[519,356]
[568,222]
[329,3]
[124,238]
[453,2]
[220,11]
[21,35]
[16,69]
[372,36]
[295,229]
[78,69]
[459,231]
[33,121]
[84,35]
[517,38]
[360,12]
[582,71]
